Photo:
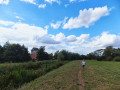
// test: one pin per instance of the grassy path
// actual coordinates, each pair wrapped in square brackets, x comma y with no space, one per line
[63,78]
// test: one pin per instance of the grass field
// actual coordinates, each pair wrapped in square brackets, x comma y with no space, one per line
[97,76]
[102,75]
[63,78]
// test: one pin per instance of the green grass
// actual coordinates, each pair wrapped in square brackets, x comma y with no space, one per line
[102,75]
[14,75]
[63,78]
[98,75]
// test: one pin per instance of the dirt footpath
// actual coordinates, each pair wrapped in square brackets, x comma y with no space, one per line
[80,83]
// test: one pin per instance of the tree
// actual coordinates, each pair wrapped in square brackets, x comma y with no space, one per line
[16,53]
[109,53]
[50,56]
[56,54]
[61,56]
[1,54]
[42,55]
[6,44]
[34,50]
[65,55]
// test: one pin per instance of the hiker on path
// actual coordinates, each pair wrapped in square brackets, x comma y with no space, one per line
[83,64]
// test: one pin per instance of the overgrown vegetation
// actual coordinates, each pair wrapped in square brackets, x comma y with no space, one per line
[13,76]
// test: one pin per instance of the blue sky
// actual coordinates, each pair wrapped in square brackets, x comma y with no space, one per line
[80,26]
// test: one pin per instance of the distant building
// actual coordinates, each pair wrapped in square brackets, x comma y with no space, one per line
[33,56]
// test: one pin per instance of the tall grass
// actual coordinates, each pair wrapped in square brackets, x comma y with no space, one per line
[14,75]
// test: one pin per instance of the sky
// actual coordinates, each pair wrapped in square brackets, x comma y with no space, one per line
[80,26]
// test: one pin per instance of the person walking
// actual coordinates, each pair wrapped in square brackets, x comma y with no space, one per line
[83,64]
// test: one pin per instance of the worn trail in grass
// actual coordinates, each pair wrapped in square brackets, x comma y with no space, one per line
[63,78]
[81,82]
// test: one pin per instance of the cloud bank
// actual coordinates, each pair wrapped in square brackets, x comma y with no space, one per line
[4,2]
[86,17]
[35,36]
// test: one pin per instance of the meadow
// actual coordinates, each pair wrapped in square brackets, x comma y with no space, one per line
[102,75]
[98,75]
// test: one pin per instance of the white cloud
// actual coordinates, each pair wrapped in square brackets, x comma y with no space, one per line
[34,36]
[66,5]
[84,44]
[58,23]
[42,5]
[47,39]
[46,27]
[4,2]
[72,1]
[59,37]
[71,38]
[34,2]
[29,1]
[82,0]
[6,23]
[104,40]
[82,38]
[21,33]
[86,17]
[20,18]
[51,1]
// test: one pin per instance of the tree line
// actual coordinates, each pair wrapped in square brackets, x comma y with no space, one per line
[107,54]
[19,53]
[58,55]
[14,53]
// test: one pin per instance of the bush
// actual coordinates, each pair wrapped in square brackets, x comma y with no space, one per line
[117,58]
[109,58]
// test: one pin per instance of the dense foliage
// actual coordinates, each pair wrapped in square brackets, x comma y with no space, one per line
[107,54]
[58,55]
[65,55]
[14,75]
[41,54]
[14,53]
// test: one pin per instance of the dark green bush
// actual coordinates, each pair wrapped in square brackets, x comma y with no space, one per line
[109,58]
[116,58]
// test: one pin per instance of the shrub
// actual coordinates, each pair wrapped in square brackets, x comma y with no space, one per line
[117,58]
[109,58]
[100,58]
